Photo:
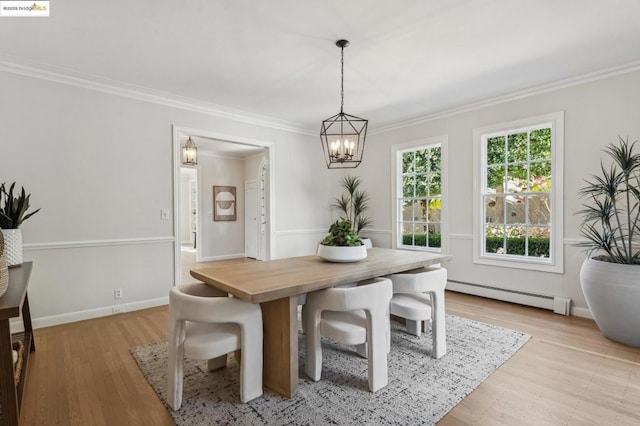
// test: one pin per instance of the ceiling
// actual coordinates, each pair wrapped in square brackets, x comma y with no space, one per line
[277,59]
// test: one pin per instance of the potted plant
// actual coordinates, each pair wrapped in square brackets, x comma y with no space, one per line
[353,204]
[342,244]
[610,275]
[13,211]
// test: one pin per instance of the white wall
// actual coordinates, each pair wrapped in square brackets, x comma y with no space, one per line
[595,114]
[100,167]
[303,189]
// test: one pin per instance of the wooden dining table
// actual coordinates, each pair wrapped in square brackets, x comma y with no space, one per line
[276,284]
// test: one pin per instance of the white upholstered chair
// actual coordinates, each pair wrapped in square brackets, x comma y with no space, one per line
[354,316]
[418,296]
[205,327]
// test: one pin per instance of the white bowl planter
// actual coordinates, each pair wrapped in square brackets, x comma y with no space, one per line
[342,254]
[612,291]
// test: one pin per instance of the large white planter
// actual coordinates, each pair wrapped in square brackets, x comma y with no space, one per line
[612,291]
[13,246]
[342,254]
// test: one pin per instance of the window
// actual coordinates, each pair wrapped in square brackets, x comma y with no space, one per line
[419,194]
[519,194]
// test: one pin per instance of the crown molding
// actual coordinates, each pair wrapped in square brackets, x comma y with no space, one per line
[139,93]
[69,77]
[549,87]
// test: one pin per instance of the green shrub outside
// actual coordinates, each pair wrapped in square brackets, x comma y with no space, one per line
[537,246]
[421,239]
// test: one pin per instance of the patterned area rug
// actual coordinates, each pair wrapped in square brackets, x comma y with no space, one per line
[421,389]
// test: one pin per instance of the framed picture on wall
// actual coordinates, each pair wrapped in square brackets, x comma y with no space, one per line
[224,203]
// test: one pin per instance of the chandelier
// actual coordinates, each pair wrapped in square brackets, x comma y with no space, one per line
[189,153]
[343,135]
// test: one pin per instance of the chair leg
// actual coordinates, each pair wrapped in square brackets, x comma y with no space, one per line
[377,342]
[438,332]
[302,317]
[217,363]
[388,320]
[362,350]
[251,360]
[414,327]
[175,364]
[426,325]
[313,347]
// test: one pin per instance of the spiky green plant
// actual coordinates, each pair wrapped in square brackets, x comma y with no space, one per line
[611,221]
[354,203]
[13,210]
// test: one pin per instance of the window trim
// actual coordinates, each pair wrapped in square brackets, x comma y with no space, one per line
[396,184]
[555,263]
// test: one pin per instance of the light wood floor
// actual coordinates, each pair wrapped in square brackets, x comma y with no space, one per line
[568,374]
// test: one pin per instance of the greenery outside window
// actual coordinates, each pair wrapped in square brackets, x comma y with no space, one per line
[519,194]
[418,197]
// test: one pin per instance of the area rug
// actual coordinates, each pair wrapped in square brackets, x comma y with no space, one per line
[421,389]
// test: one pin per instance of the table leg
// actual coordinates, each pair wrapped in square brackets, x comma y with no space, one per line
[280,368]
[8,393]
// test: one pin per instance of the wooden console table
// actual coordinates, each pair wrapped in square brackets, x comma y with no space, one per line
[11,304]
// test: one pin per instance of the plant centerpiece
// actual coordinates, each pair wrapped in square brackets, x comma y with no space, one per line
[610,275]
[13,211]
[342,244]
[353,205]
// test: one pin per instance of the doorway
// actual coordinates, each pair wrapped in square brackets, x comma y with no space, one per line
[188,221]
[208,141]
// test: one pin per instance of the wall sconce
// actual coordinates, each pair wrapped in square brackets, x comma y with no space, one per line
[189,153]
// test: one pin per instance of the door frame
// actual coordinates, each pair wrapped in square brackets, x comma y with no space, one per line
[180,131]
[256,237]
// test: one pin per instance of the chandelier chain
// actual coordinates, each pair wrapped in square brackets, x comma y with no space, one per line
[341,78]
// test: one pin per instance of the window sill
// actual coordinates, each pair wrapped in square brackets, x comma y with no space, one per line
[532,265]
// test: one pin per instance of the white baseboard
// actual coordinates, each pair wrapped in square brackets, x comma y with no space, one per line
[17,326]
[581,312]
[223,257]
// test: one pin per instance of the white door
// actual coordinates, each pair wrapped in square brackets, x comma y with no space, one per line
[251,226]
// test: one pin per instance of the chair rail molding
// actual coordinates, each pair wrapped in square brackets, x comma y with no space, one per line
[96,243]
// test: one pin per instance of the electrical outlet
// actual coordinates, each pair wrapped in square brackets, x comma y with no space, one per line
[118,309]
[164,214]
[117,293]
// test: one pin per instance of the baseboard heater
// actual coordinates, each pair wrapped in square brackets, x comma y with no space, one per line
[557,304]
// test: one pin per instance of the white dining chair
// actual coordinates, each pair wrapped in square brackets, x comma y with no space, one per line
[204,326]
[418,297]
[354,316]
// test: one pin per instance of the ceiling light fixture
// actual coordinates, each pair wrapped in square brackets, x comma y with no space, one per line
[189,153]
[343,135]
